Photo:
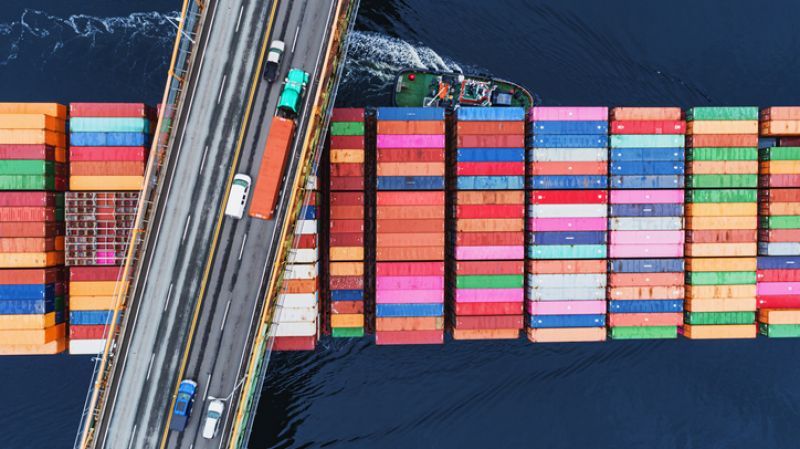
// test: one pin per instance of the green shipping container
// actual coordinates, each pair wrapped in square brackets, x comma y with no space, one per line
[722,196]
[347,332]
[779,330]
[59,199]
[27,182]
[347,128]
[722,181]
[491,281]
[643,332]
[59,303]
[723,113]
[721,278]
[60,214]
[109,125]
[720,317]
[647,140]
[27,167]
[722,154]
[781,154]
[781,222]
[567,252]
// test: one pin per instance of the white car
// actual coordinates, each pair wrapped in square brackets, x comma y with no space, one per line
[273,60]
[214,415]
[237,200]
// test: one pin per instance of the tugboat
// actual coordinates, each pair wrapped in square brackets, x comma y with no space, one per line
[415,88]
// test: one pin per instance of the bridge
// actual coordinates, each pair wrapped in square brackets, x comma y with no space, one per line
[197,289]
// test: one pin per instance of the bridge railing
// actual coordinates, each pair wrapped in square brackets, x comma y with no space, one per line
[336,49]
[188,28]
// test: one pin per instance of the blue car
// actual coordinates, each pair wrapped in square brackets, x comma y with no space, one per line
[183,405]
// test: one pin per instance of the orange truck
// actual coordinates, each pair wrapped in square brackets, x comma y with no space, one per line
[273,163]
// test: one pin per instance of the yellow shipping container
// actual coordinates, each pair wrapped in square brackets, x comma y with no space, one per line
[347,320]
[714,331]
[784,208]
[347,156]
[12,322]
[779,316]
[567,334]
[346,269]
[721,249]
[31,260]
[106,182]
[781,128]
[721,209]
[33,137]
[720,223]
[721,264]
[722,127]
[100,302]
[485,334]
[340,253]
[780,167]
[721,305]
[723,292]
[32,121]
[92,288]
[54,109]
[491,225]
[723,167]
[33,336]
[53,347]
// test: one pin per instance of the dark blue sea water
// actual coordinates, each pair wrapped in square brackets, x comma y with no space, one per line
[670,394]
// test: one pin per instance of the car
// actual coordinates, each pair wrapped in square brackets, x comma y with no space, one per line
[213,416]
[293,89]
[237,199]
[183,405]
[273,60]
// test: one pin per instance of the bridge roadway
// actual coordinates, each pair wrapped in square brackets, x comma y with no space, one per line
[175,282]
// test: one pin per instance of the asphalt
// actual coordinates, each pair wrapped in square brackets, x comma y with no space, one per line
[150,355]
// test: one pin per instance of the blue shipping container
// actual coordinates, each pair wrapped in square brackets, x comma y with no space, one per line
[27,291]
[647,168]
[347,295]
[646,266]
[27,306]
[309,213]
[648,154]
[646,210]
[410,182]
[490,155]
[778,263]
[410,114]
[490,182]
[570,141]
[401,310]
[568,238]
[647,182]
[91,317]
[108,139]
[545,321]
[568,182]
[645,306]
[490,114]
[570,127]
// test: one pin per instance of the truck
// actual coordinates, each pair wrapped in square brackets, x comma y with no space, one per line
[183,405]
[293,89]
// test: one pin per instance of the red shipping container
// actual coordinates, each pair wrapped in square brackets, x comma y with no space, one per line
[294,343]
[722,236]
[38,199]
[31,276]
[490,169]
[721,140]
[567,168]
[467,268]
[645,319]
[646,113]
[306,241]
[109,110]
[31,229]
[566,266]
[778,301]
[410,253]
[87,332]
[337,226]
[77,154]
[779,235]
[411,155]
[347,199]
[491,211]
[489,322]
[568,197]
[346,283]
[347,170]
[495,141]
[779,195]
[489,308]
[106,168]
[411,127]
[347,142]
[77,274]
[347,212]
[781,181]
[346,239]
[790,141]
[645,279]
[346,307]
[27,214]
[490,239]
[398,226]
[778,275]
[491,128]
[347,183]
[415,198]
[409,337]
[409,268]
[347,115]
[647,127]
[29,152]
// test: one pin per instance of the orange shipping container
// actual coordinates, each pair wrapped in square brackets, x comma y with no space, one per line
[774,316]
[32,276]
[10,322]
[409,323]
[566,266]
[33,336]
[490,225]
[104,302]
[32,121]
[722,140]
[33,137]
[485,334]
[346,269]
[411,127]
[721,305]
[722,167]
[722,236]
[106,168]
[299,286]
[271,169]
[410,213]
[93,287]
[781,128]
[410,169]
[31,260]
[31,245]
[643,279]
[347,212]
[636,113]
[644,293]
[491,128]
[719,331]
[406,199]
[780,113]
[410,253]
[780,168]
[347,156]
[722,292]
[54,109]
[721,249]
[412,239]
[483,197]
[693,223]
[434,225]
[347,320]
[721,264]
[346,253]
[722,127]
[53,347]
[565,335]
[721,209]
[106,182]
[782,208]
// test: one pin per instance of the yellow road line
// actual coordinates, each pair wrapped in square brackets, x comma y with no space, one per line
[220,217]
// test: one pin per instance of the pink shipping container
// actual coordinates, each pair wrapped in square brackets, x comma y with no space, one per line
[585,113]
[646,196]
[409,268]
[409,198]
[94,273]
[109,110]
[107,154]
[490,295]
[411,141]
[646,237]
[566,307]
[778,288]
[409,283]
[33,199]
[490,252]
[567,224]
[409,296]
[645,251]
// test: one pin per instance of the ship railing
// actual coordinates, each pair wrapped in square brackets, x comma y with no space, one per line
[314,138]
[188,28]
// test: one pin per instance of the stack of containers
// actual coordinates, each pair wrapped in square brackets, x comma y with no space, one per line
[92,301]
[646,238]
[108,145]
[32,288]
[778,275]
[567,224]
[721,222]
[297,309]
[99,226]
[410,212]
[346,236]
[489,218]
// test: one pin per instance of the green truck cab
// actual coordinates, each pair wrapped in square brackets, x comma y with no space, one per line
[293,88]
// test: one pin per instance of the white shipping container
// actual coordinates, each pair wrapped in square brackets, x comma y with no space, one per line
[567,210]
[306,227]
[83,347]
[780,249]
[299,329]
[295,315]
[311,182]
[645,223]
[566,280]
[566,294]
[299,300]
[304,255]
[301,271]
[568,155]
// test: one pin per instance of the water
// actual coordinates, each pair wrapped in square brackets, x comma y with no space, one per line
[351,394]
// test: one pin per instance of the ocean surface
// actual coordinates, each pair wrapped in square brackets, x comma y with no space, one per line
[352,394]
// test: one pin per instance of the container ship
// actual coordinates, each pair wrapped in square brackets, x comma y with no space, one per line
[448,90]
